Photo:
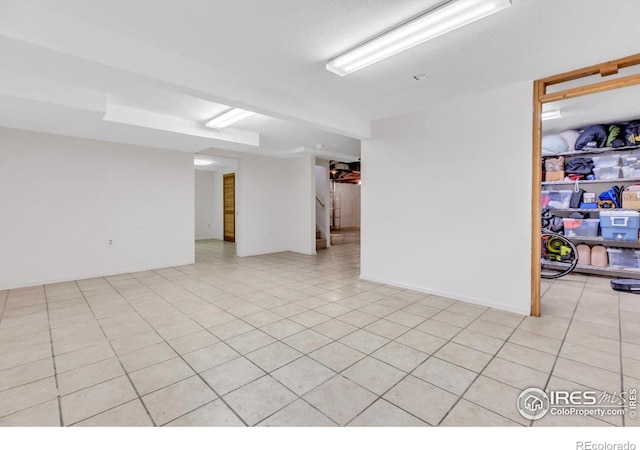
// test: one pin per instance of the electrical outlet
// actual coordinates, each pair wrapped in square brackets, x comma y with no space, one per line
[109,242]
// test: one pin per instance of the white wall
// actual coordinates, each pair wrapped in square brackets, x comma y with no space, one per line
[349,205]
[446,200]
[206,203]
[274,205]
[61,198]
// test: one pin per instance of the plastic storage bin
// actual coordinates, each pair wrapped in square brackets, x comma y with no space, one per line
[624,258]
[607,173]
[620,225]
[555,199]
[631,172]
[606,161]
[580,227]
[630,160]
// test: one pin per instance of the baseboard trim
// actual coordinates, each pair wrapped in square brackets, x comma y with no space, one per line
[88,276]
[451,295]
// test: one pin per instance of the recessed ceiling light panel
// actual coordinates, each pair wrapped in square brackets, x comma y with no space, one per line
[202,162]
[228,117]
[438,21]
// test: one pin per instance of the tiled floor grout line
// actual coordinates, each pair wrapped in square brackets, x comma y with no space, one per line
[120,362]
[563,340]
[495,355]
[432,354]
[53,359]
[621,358]
[187,363]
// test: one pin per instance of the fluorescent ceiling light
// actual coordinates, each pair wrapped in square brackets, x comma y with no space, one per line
[551,114]
[202,162]
[229,117]
[448,17]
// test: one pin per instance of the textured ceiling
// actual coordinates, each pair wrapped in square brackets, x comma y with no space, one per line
[269,56]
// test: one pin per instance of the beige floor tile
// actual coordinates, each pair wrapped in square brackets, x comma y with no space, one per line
[211,356]
[22,356]
[273,356]
[357,318]
[307,341]
[297,414]
[590,356]
[437,302]
[136,342]
[467,414]
[364,341]
[423,400]
[497,397]
[515,375]
[148,356]
[374,375]
[405,318]
[548,326]
[421,310]
[214,414]
[178,329]
[457,320]
[26,373]
[259,399]
[289,310]
[586,375]
[131,414]
[232,375]
[9,344]
[160,375]
[445,375]
[333,310]
[302,375]
[340,399]
[96,399]
[28,395]
[528,357]
[491,329]
[384,414]
[86,376]
[83,357]
[231,329]
[43,415]
[400,356]
[282,328]
[439,329]
[502,318]
[536,341]
[178,399]
[248,342]
[479,341]
[335,329]
[192,342]
[464,356]
[467,309]
[424,342]
[337,356]
[386,328]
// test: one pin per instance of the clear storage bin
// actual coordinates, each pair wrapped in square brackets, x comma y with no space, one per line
[606,161]
[630,160]
[555,199]
[631,172]
[580,227]
[624,258]
[607,173]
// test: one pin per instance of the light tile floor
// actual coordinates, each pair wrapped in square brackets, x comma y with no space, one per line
[288,340]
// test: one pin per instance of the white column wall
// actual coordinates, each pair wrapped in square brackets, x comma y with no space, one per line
[446,200]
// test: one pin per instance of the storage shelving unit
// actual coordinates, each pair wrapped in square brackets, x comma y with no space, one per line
[598,186]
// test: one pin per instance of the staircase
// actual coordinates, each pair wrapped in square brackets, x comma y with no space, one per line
[320,241]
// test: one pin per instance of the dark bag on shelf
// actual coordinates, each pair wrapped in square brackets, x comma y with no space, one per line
[614,195]
[594,136]
[632,134]
[579,166]
[576,198]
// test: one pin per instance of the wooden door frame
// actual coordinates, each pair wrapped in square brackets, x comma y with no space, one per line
[540,96]
[224,219]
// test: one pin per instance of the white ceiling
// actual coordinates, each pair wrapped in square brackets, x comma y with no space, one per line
[163,66]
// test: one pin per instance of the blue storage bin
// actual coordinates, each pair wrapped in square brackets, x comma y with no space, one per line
[619,225]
